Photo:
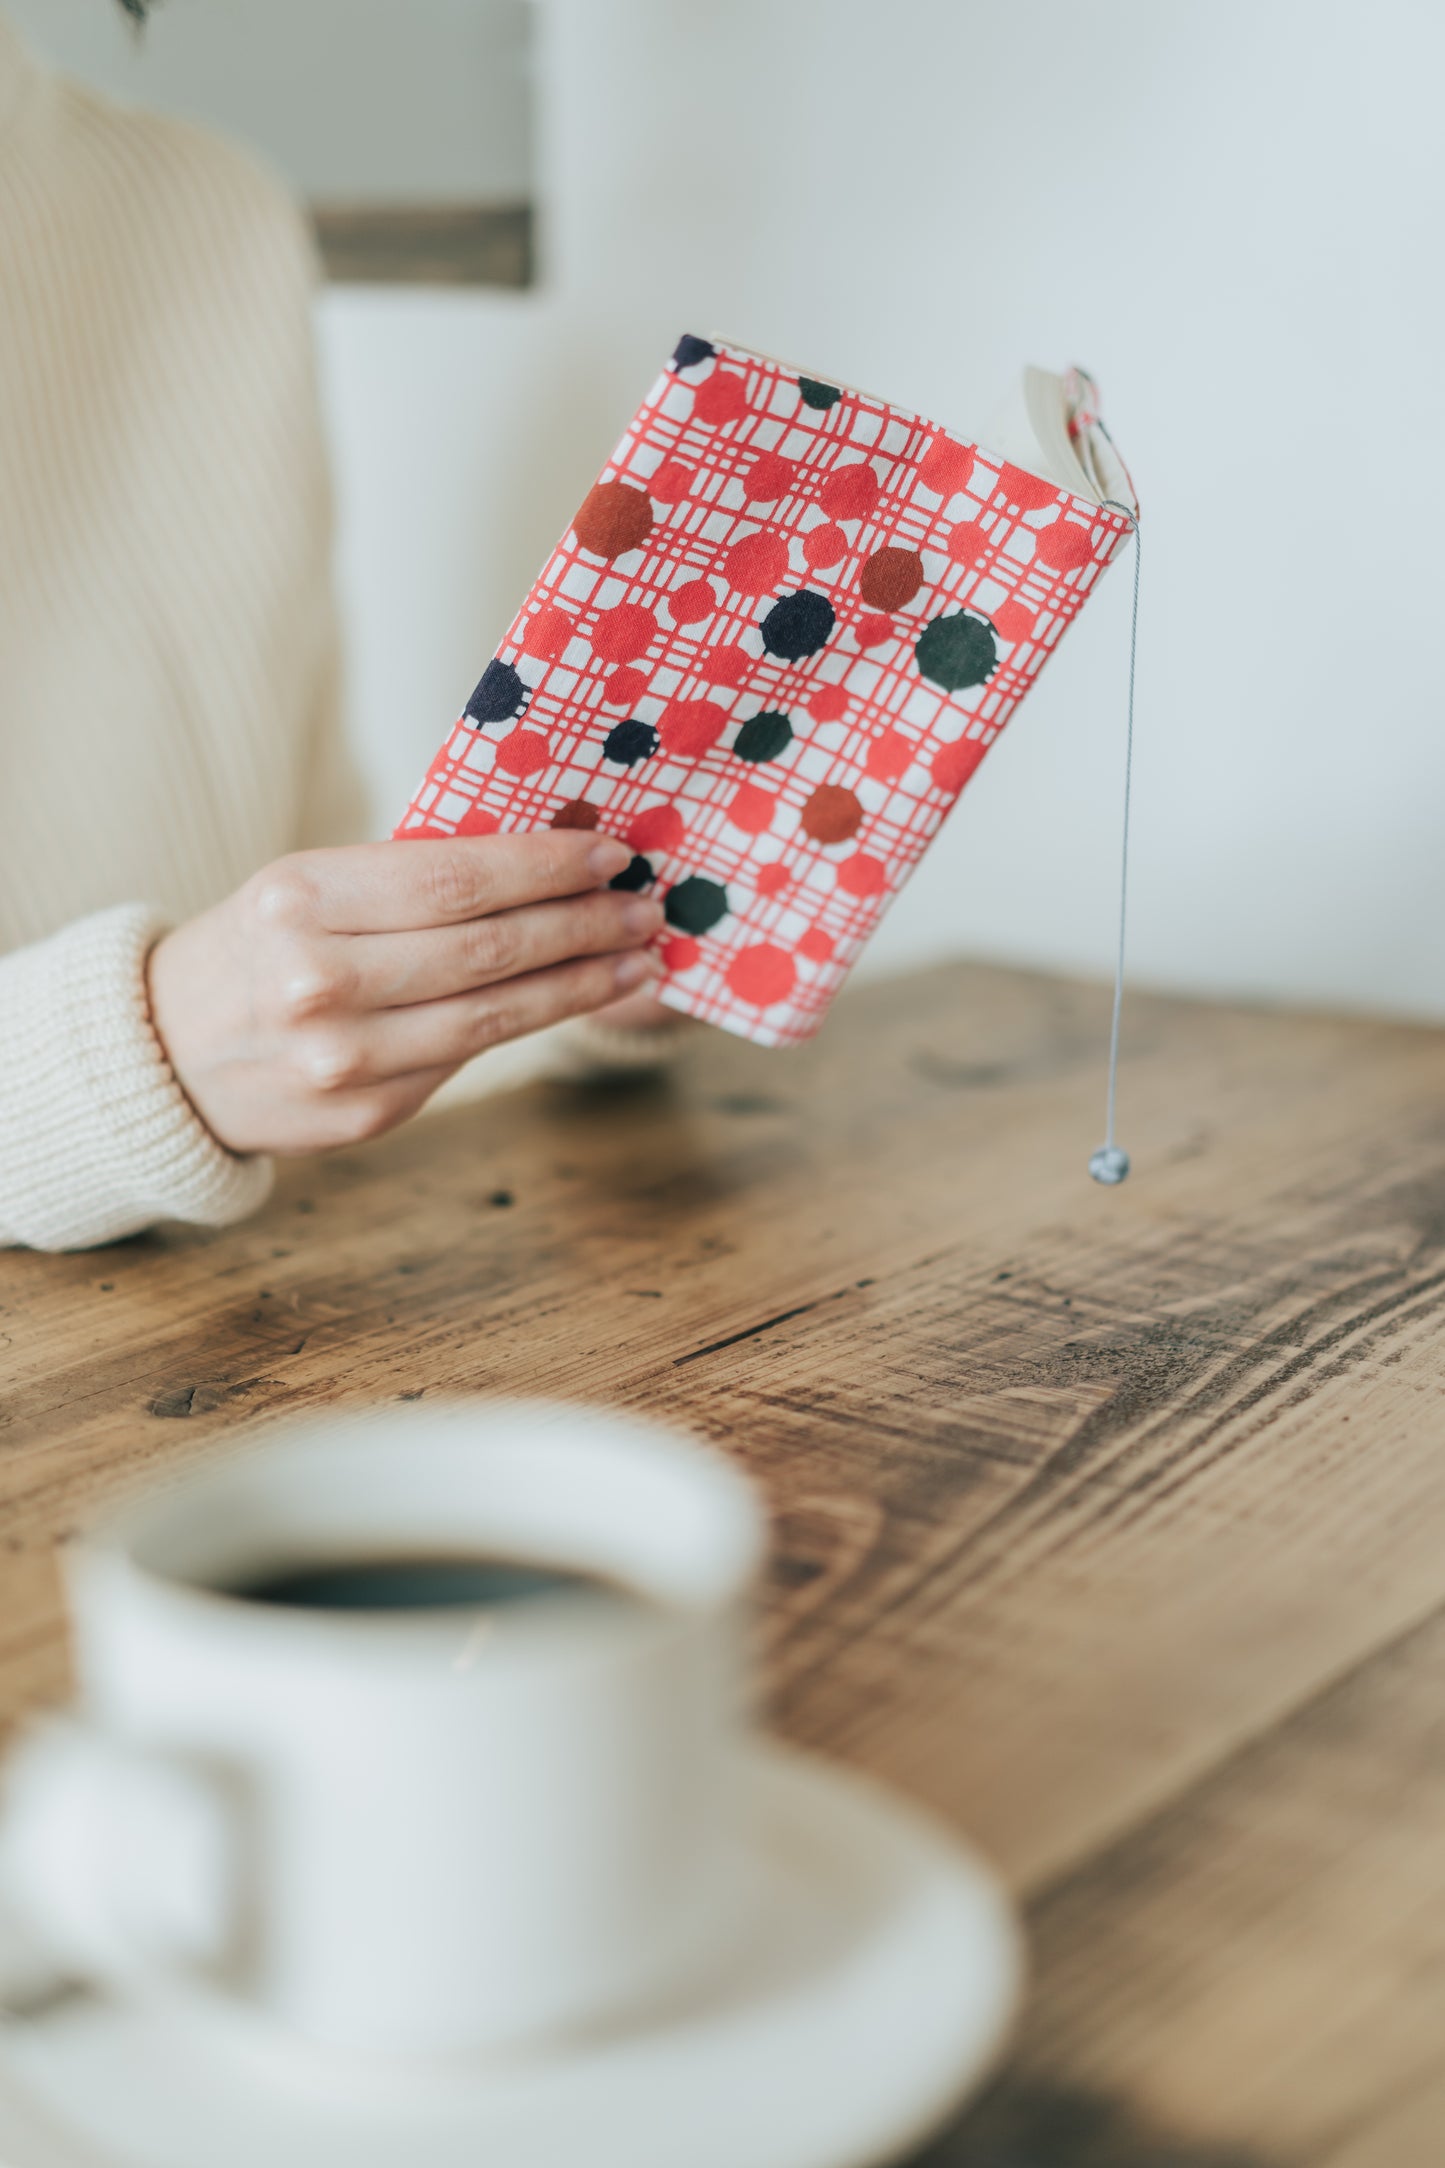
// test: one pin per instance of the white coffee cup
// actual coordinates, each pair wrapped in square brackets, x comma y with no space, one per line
[421,1833]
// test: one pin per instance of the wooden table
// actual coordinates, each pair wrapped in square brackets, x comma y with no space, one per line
[1111,1522]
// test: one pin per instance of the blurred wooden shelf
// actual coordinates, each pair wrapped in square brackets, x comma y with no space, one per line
[460,244]
[1110,1522]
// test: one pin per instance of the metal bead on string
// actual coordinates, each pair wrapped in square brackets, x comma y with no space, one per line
[1110,1163]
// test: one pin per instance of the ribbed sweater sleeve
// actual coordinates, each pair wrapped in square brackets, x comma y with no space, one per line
[97,1139]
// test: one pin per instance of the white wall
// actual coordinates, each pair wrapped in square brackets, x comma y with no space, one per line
[363,100]
[1232,213]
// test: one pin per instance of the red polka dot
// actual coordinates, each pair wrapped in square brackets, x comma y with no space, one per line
[475,822]
[546,634]
[829,704]
[945,466]
[1064,546]
[727,664]
[691,726]
[850,492]
[671,483]
[681,954]
[762,975]
[862,876]
[757,563]
[967,543]
[772,880]
[720,398]
[872,630]
[752,809]
[768,478]
[660,828]
[815,945]
[624,688]
[1012,621]
[1030,492]
[691,603]
[824,546]
[954,764]
[621,634]
[524,752]
[890,756]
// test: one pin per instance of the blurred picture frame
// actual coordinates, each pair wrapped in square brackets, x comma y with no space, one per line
[407,128]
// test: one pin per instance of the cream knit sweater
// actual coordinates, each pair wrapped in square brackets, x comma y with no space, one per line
[168,678]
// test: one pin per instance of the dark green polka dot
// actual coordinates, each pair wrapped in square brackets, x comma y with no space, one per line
[957,651]
[637,873]
[821,396]
[696,905]
[764,736]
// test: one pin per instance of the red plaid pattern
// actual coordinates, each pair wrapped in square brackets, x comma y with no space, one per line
[667,633]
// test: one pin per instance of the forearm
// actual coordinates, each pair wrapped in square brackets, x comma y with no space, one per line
[97,1140]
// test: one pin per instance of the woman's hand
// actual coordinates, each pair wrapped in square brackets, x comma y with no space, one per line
[327,999]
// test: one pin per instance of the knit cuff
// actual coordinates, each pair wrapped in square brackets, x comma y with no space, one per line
[97,1139]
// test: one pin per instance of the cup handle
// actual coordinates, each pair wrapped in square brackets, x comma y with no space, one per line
[116,1862]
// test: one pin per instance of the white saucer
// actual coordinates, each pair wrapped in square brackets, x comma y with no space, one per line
[874,1995]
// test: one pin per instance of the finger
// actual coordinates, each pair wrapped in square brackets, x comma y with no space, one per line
[396,970]
[356,1117]
[441,1034]
[389,887]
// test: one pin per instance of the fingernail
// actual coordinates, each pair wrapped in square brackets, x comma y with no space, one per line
[632,970]
[608,857]
[642,915]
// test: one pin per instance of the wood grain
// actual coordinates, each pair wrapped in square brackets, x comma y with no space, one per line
[1112,1523]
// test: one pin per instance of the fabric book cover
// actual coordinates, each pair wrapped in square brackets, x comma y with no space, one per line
[783,629]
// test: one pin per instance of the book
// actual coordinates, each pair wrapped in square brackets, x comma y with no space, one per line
[784,627]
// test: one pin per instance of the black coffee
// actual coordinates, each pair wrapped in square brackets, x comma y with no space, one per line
[418,1584]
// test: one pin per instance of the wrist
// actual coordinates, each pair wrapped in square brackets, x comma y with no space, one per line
[176,1000]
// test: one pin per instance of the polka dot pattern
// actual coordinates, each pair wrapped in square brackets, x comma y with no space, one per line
[616,518]
[832,814]
[624,688]
[891,578]
[524,752]
[500,693]
[752,809]
[623,633]
[783,629]
[628,743]
[657,828]
[636,874]
[577,813]
[757,564]
[762,976]
[765,736]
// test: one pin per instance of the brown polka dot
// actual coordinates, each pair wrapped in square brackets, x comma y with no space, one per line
[577,814]
[831,815]
[891,578]
[615,517]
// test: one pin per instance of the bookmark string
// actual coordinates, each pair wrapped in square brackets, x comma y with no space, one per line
[1110,1163]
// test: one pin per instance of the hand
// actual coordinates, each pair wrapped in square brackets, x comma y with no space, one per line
[325,1000]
